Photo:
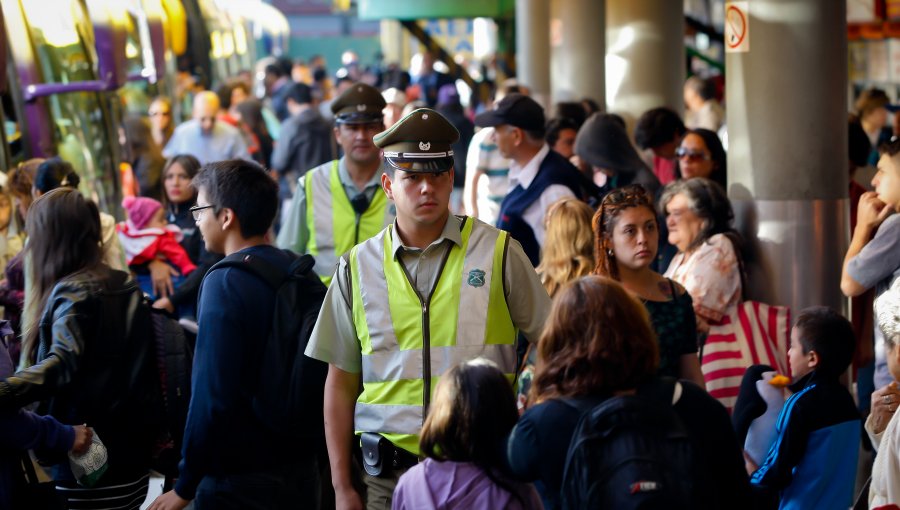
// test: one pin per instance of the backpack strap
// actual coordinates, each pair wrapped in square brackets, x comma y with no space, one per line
[266,271]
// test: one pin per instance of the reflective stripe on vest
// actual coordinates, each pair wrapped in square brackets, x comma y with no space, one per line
[466,317]
[331,220]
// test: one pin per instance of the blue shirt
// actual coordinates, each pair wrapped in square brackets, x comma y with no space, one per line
[222,435]
[224,142]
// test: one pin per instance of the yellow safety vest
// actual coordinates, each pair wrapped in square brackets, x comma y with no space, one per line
[408,342]
[332,222]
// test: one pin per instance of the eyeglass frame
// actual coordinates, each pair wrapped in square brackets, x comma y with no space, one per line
[197,209]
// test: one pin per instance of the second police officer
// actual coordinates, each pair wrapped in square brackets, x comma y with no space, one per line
[339,204]
[427,292]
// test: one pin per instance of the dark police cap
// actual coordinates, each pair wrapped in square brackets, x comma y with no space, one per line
[359,104]
[419,142]
[516,110]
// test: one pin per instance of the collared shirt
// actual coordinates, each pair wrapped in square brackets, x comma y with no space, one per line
[225,142]
[523,175]
[334,339]
[488,181]
[294,233]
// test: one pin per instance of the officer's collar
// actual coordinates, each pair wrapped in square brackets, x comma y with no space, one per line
[452,231]
[375,181]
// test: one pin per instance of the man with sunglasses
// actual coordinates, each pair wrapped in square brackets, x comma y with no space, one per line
[340,203]
[427,292]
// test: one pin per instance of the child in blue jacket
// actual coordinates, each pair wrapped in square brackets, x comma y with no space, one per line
[812,463]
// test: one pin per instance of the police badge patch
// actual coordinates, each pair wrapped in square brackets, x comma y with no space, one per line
[476,278]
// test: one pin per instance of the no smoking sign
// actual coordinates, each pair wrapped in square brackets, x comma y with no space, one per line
[737,27]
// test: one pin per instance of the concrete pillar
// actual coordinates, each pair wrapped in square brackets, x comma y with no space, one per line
[644,56]
[578,50]
[787,157]
[533,47]
[395,43]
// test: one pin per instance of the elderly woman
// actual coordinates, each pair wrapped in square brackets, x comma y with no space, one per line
[882,424]
[598,343]
[699,219]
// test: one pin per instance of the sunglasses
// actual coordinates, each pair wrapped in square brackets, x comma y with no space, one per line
[682,153]
[631,193]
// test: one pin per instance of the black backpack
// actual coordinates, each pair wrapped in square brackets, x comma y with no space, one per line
[289,392]
[629,452]
[174,357]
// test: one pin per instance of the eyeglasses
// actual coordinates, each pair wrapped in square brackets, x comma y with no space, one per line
[681,152]
[158,114]
[197,209]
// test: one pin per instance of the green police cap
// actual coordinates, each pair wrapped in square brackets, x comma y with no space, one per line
[359,104]
[419,142]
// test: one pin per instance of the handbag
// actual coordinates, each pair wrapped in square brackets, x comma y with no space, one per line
[753,333]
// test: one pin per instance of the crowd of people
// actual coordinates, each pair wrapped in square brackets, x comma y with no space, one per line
[513,314]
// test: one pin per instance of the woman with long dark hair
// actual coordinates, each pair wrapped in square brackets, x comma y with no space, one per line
[250,120]
[180,196]
[90,359]
[144,156]
[462,440]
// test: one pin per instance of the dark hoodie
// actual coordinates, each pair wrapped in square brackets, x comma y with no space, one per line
[602,142]
[306,141]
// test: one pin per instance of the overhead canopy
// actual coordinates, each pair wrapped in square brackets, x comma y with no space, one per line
[417,9]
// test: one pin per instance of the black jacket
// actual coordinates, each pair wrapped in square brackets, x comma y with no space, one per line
[96,364]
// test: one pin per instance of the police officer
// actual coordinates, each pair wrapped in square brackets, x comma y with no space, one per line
[429,291]
[340,203]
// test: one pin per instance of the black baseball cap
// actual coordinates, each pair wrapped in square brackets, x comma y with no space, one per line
[516,110]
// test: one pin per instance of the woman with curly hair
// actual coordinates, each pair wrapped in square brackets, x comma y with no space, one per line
[627,235]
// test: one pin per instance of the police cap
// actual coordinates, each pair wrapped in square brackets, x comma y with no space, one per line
[419,142]
[359,104]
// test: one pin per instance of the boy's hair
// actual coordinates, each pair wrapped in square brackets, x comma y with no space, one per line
[245,188]
[827,332]
[891,148]
[656,127]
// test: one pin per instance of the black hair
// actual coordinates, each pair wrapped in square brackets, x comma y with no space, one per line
[555,127]
[717,154]
[827,332]
[704,87]
[858,144]
[224,92]
[573,111]
[274,70]
[891,148]
[245,188]
[54,173]
[656,127]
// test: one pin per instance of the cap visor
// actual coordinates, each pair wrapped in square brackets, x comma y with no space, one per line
[488,119]
[359,118]
[425,166]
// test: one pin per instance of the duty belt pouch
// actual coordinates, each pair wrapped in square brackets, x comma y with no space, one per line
[374,453]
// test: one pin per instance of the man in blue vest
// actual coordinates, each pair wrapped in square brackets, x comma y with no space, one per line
[429,291]
[538,177]
[340,203]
